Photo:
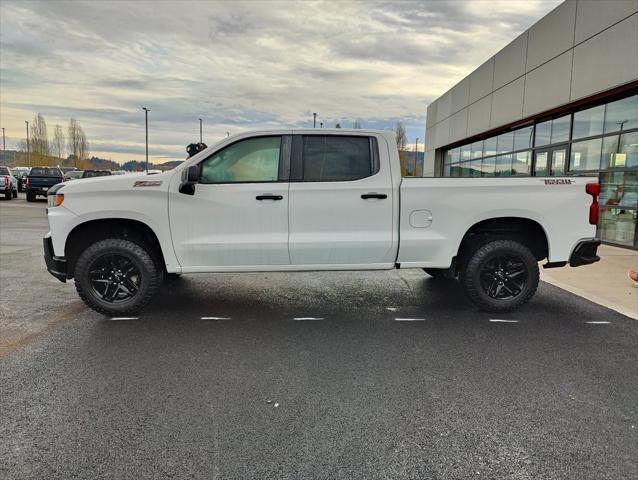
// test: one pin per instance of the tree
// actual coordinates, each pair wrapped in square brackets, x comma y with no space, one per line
[39,139]
[58,141]
[338,125]
[77,144]
[402,141]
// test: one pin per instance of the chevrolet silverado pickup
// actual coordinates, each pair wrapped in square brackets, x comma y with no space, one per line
[40,180]
[308,200]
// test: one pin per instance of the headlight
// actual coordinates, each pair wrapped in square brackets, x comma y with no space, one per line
[55,200]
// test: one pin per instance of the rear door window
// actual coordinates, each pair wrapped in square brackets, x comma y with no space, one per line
[338,158]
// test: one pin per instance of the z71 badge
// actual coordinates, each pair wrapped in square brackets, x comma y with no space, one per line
[147,183]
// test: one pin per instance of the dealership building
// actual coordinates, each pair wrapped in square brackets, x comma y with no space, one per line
[560,99]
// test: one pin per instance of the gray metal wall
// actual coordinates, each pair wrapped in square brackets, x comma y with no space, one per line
[581,48]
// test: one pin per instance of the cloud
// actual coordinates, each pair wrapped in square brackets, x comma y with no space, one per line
[239,65]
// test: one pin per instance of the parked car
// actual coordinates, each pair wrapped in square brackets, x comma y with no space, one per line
[19,173]
[314,200]
[73,175]
[8,184]
[95,173]
[40,179]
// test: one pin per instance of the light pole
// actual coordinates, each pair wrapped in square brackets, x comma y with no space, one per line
[146,110]
[314,120]
[28,147]
[200,131]
[4,145]
[416,154]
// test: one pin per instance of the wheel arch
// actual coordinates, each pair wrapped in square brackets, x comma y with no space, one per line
[92,231]
[525,230]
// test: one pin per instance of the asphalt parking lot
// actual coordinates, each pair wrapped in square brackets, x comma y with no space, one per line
[307,375]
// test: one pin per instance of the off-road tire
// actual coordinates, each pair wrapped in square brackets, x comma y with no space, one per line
[15,194]
[8,195]
[150,276]
[30,196]
[470,275]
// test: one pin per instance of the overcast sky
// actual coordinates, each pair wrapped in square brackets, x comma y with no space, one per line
[238,65]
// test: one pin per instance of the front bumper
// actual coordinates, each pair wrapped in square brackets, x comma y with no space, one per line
[585,253]
[55,265]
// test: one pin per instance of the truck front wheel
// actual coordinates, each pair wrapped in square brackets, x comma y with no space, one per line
[500,276]
[116,277]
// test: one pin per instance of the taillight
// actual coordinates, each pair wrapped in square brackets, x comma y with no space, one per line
[6,181]
[594,190]
[26,181]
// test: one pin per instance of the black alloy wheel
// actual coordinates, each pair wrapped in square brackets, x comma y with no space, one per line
[114,278]
[503,277]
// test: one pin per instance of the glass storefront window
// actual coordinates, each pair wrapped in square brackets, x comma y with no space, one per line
[619,207]
[475,168]
[477,149]
[446,170]
[543,134]
[558,162]
[466,152]
[585,155]
[588,123]
[503,166]
[455,170]
[489,146]
[541,164]
[521,163]
[523,138]
[622,115]
[505,142]
[488,167]
[560,129]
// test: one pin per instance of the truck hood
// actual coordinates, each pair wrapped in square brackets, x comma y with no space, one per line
[117,182]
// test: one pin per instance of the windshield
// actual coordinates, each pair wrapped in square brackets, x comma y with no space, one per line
[74,174]
[45,172]
[4,171]
[95,173]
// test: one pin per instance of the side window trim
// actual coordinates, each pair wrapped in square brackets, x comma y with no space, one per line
[283,167]
[296,161]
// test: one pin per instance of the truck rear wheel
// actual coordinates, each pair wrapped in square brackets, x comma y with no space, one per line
[116,277]
[30,196]
[500,276]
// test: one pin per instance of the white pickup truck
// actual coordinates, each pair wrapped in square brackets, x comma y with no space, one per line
[294,200]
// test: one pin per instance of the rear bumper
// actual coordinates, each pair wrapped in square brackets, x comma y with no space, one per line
[55,265]
[585,253]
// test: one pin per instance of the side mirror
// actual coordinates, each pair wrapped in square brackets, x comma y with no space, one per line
[189,178]
[192,174]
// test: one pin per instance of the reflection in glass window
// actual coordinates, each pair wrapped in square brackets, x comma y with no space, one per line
[446,170]
[543,134]
[455,170]
[560,129]
[466,152]
[477,149]
[523,138]
[503,166]
[336,158]
[489,146]
[251,160]
[455,155]
[618,200]
[585,155]
[488,167]
[588,123]
[505,142]
[475,168]
[558,162]
[541,164]
[521,163]
[620,151]
[622,114]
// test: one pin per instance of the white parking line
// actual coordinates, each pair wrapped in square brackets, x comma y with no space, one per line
[125,318]
[409,319]
[216,318]
[299,319]
[499,320]
[601,322]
